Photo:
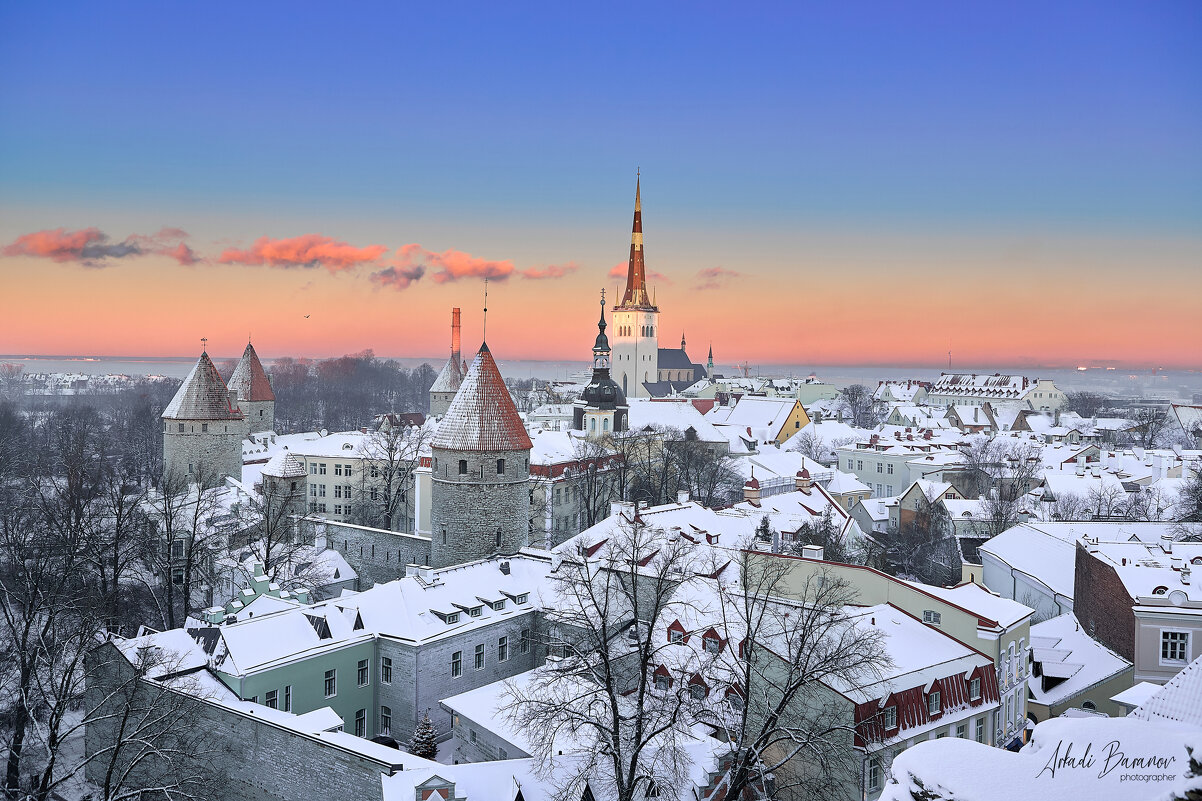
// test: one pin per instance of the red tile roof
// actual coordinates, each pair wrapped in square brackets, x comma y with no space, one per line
[482,416]
[249,379]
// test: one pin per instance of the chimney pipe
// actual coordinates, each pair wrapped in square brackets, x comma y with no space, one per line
[455,332]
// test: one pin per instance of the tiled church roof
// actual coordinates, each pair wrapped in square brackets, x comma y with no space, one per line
[202,396]
[482,416]
[249,379]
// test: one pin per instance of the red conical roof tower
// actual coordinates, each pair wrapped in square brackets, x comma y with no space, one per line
[482,417]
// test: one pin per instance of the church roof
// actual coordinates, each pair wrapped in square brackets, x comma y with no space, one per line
[202,396]
[249,379]
[674,359]
[450,378]
[482,416]
[635,296]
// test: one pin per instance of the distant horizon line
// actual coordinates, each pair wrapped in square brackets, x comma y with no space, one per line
[997,367]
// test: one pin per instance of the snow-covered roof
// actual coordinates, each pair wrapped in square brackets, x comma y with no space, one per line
[285,465]
[1137,694]
[482,416]
[979,601]
[951,767]
[202,396]
[449,378]
[1066,652]
[678,414]
[1179,700]
[1046,552]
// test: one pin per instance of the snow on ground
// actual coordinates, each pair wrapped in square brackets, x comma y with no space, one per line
[1100,759]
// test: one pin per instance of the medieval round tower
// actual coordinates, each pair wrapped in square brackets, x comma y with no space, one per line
[480,470]
[203,428]
[252,388]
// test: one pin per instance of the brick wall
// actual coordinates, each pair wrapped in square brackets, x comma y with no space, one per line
[1102,604]
[468,511]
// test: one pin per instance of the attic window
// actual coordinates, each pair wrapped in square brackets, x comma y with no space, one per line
[890,718]
[497,606]
[932,617]
[358,622]
[521,599]
[474,611]
[320,626]
[453,617]
[1160,591]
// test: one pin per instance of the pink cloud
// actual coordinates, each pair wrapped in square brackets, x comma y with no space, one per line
[398,278]
[451,265]
[89,246]
[550,271]
[619,271]
[168,242]
[715,277]
[309,250]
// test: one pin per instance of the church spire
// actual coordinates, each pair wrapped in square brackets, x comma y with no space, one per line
[636,271]
[601,346]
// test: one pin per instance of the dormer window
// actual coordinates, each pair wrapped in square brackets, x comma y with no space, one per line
[474,611]
[890,718]
[453,617]
[933,703]
[497,606]
[974,690]
[521,599]
[676,636]
[932,617]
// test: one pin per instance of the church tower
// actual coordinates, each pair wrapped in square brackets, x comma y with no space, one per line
[443,390]
[636,319]
[601,408]
[480,471]
[253,390]
[203,428]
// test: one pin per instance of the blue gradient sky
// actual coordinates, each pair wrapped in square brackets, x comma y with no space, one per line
[829,149]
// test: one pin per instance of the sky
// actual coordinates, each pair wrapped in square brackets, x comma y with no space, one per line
[822,183]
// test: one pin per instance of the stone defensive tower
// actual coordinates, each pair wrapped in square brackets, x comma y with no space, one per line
[480,466]
[203,428]
[443,390]
[251,387]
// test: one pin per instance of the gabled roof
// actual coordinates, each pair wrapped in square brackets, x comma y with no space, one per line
[1179,700]
[482,416]
[450,378]
[249,379]
[202,396]
[285,464]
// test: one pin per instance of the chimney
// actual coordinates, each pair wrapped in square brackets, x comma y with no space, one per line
[411,570]
[455,342]
[976,414]
[505,567]
[1096,470]
[426,574]
[682,496]
[1158,470]
[1080,469]
[802,481]
[751,490]
[811,552]
[621,508]
[1185,571]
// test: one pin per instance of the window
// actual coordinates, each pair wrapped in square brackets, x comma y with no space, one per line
[272,699]
[497,606]
[337,490]
[375,471]
[933,707]
[346,492]
[880,468]
[521,599]
[498,538]
[385,720]
[713,645]
[890,718]
[321,490]
[524,642]
[287,697]
[676,636]
[321,469]
[312,468]
[974,690]
[472,735]
[480,656]
[1089,706]
[204,428]
[177,549]
[697,691]
[859,464]
[889,468]
[457,664]
[386,669]
[346,470]
[502,649]
[177,575]
[1174,646]
[331,683]
[662,682]
[874,775]
[361,723]
[362,673]
[375,493]
[962,731]
[181,430]
[500,467]
[337,469]
[475,611]
[932,617]
[980,730]
[312,490]
[463,467]
[338,511]
[453,617]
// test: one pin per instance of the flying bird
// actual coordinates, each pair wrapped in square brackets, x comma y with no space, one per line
[306,317]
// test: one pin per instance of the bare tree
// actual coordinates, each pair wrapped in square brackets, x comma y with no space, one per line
[597,688]
[268,525]
[857,401]
[140,720]
[1086,404]
[780,661]
[181,551]
[1150,426]
[391,456]
[596,478]
[1188,508]
[710,478]
[923,547]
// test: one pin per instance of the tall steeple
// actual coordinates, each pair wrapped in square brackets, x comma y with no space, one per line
[636,270]
[601,409]
[601,346]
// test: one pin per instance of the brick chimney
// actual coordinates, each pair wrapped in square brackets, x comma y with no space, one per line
[751,489]
[803,482]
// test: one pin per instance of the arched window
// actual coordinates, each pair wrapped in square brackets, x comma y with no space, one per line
[605,424]
[463,467]
[592,424]
[1089,705]
[500,467]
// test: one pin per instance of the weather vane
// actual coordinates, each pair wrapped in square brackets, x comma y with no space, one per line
[485,337]
[204,344]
